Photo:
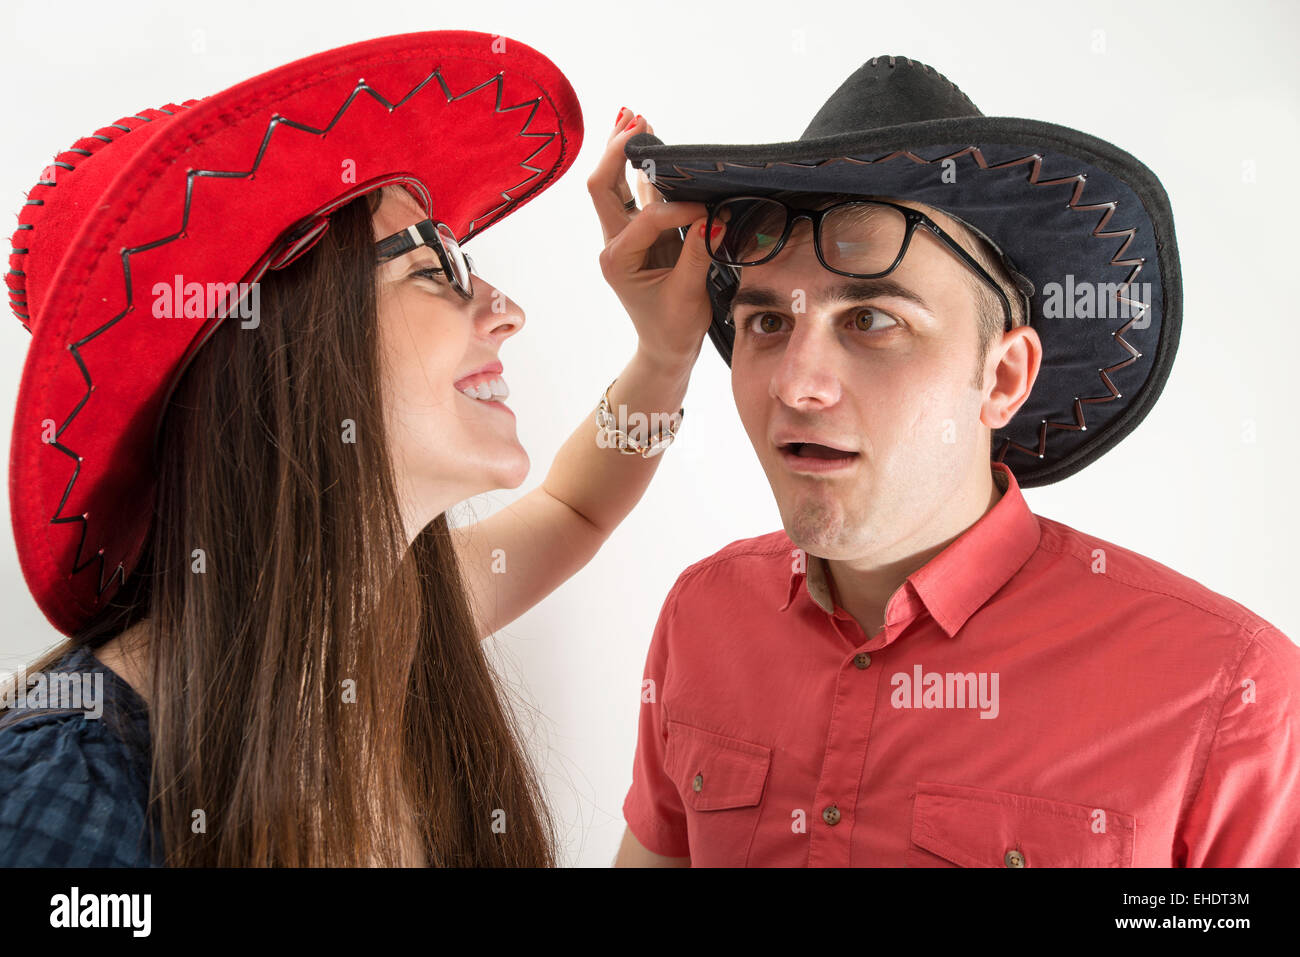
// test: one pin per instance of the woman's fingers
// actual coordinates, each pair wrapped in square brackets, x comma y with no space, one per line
[625,116]
[608,181]
[690,272]
[666,249]
[645,190]
[626,252]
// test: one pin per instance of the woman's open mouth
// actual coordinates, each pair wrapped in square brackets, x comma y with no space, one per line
[485,387]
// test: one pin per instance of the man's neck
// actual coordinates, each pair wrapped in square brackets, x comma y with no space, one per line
[863,587]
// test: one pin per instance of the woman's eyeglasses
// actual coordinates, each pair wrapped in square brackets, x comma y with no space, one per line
[862,239]
[437,236]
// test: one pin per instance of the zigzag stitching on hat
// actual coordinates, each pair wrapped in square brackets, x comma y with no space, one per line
[547,137]
[18,293]
[688,173]
[74,348]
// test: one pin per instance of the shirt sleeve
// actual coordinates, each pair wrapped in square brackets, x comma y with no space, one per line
[1246,812]
[69,799]
[653,809]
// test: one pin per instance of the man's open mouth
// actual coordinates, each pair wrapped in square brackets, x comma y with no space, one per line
[811,450]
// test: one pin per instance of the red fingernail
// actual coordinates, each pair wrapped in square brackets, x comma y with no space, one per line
[619,119]
[717,228]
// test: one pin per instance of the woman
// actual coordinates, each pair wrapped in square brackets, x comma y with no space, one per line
[291,652]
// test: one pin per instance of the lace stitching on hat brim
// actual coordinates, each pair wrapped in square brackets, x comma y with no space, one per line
[687,173]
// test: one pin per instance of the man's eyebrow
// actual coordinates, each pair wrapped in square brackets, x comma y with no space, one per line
[851,290]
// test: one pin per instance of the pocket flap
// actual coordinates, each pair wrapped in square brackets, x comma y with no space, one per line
[977,827]
[714,771]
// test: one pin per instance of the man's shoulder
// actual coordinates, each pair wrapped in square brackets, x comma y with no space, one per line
[739,562]
[1110,565]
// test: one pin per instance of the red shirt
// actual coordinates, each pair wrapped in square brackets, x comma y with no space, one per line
[1037,697]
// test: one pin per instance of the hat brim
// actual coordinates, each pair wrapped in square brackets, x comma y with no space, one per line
[1067,208]
[475,125]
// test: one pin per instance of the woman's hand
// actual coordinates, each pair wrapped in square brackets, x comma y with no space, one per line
[659,278]
[556,528]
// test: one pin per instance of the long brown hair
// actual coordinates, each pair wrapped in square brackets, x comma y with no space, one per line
[318,688]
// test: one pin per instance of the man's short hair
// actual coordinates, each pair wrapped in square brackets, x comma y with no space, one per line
[988,307]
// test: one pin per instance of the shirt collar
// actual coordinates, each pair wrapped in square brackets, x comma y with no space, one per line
[955,583]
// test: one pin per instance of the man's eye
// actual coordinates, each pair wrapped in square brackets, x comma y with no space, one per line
[763,323]
[871,319]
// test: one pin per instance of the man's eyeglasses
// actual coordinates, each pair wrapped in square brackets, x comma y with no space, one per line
[862,239]
[437,236]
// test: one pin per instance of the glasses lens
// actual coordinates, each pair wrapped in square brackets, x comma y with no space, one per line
[459,264]
[862,238]
[754,227]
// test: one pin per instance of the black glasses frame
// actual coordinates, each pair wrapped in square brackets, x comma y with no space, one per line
[426,233]
[915,218]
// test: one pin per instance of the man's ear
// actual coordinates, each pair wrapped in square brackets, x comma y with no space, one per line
[1009,374]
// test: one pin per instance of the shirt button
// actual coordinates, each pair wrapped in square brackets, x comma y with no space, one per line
[831,815]
[698,783]
[862,660]
[1014,859]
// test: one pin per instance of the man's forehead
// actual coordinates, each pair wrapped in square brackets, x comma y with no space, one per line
[801,234]
[946,222]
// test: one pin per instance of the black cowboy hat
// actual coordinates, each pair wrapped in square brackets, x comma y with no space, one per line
[1084,228]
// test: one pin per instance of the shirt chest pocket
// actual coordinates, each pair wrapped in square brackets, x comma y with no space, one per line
[953,825]
[720,780]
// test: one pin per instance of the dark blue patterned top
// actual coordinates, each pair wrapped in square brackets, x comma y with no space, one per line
[73,787]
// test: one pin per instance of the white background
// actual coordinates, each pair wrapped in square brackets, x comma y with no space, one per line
[1193,90]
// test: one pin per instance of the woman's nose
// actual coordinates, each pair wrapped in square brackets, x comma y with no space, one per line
[496,315]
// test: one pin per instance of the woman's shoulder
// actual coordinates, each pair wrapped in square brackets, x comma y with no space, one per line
[75,790]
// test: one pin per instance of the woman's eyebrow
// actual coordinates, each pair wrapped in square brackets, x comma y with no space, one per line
[419,256]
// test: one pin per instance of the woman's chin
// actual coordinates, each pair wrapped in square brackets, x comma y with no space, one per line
[515,479]
[510,472]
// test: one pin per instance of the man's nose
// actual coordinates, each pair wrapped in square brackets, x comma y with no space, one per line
[496,315]
[807,376]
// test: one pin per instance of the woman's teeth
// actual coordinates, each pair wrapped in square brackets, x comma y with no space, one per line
[490,390]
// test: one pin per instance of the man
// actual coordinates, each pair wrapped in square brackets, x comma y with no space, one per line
[918,671]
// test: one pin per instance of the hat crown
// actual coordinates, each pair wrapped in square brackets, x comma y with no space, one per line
[889,91]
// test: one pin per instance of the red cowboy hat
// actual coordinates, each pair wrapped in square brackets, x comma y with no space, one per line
[217,191]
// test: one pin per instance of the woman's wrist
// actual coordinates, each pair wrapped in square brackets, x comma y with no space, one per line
[666,366]
[650,386]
